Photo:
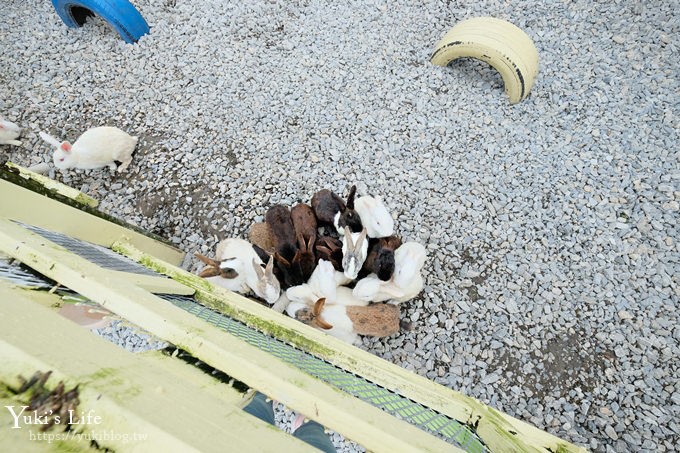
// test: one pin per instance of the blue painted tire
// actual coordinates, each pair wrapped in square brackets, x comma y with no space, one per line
[120,14]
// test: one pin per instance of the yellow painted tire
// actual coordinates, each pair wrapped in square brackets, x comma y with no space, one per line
[497,42]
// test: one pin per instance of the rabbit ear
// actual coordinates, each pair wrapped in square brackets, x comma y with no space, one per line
[302,245]
[210,272]
[281,259]
[49,139]
[269,270]
[350,197]
[258,268]
[361,238]
[318,306]
[322,249]
[348,237]
[66,146]
[208,261]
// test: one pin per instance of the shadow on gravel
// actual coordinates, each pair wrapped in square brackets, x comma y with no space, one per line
[566,362]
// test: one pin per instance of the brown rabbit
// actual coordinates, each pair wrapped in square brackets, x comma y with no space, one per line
[279,220]
[304,260]
[304,221]
[329,249]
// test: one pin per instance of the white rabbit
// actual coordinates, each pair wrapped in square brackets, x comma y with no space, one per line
[264,283]
[9,132]
[302,294]
[372,289]
[281,304]
[321,284]
[97,148]
[410,289]
[409,259]
[341,279]
[354,251]
[239,268]
[406,282]
[345,296]
[374,216]
[347,322]
[332,319]
[225,274]
[322,281]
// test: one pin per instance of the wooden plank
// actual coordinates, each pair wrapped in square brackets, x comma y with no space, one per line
[32,208]
[51,184]
[329,406]
[158,285]
[159,361]
[499,431]
[168,405]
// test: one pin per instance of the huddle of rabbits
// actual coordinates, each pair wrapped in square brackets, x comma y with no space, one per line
[330,264]
[97,147]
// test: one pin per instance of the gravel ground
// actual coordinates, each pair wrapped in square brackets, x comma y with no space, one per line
[552,282]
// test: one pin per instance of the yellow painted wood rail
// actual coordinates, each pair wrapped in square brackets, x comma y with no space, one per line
[39,209]
[353,418]
[143,402]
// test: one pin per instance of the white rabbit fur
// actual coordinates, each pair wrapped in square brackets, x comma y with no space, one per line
[239,255]
[372,289]
[335,315]
[237,284]
[409,259]
[345,296]
[322,281]
[374,216]
[96,148]
[302,294]
[343,328]
[281,304]
[411,290]
[9,132]
[294,306]
[341,279]
[353,257]
[321,284]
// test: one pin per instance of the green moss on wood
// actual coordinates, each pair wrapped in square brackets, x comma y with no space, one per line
[54,186]
[122,389]
[13,176]
[205,294]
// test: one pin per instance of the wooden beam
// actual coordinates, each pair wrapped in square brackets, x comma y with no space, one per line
[169,406]
[26,206]
[56,186]
[161,362]
[158,285]
[499,431]
[331,407]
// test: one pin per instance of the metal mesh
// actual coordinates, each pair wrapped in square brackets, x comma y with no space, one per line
[403,408]
[101,256]
[416,414]
[22,277]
